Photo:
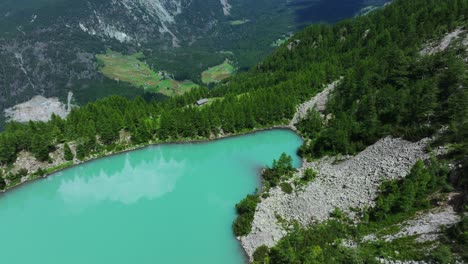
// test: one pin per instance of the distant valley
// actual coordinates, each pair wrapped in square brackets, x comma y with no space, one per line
[52,47]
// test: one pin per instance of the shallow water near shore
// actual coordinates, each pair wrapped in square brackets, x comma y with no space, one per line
[162,204]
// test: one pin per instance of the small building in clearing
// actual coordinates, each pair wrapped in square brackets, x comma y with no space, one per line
[202,102]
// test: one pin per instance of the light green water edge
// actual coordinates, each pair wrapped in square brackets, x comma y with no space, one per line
[170,203]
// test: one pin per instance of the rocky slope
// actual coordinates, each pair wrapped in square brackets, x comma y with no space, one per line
[345,184]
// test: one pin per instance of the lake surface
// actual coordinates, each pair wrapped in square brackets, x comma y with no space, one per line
[161,204]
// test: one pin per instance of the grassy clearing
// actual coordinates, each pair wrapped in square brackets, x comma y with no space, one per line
[218,73]
[130,69]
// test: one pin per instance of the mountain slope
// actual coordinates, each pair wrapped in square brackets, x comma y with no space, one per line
[48,47]
[390,87]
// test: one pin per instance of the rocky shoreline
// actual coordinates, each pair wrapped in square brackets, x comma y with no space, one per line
[346,184]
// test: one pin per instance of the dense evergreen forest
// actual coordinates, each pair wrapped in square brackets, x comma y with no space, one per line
[388,88]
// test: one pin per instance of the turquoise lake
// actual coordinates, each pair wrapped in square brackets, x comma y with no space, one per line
[162,204]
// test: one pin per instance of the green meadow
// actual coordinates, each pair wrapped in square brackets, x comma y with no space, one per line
[218,73]
[131,69]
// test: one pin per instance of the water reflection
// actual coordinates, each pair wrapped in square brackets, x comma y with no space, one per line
[151,178]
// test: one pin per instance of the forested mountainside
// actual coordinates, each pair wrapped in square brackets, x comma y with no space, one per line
[49,47]
[388,87]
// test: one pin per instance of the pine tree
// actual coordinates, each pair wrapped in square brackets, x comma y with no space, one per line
[2,182]
[80,151]
[67,153]
[40,147]
[7,149]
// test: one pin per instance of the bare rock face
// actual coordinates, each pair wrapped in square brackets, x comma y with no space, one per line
[352,183]
[150,19]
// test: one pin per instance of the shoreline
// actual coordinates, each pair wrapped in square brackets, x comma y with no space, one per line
[134,148]
[259,190]
[288,125]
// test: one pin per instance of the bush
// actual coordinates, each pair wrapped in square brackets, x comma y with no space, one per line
[309,175]
[242,225]
[261,253]
[16,177]
[22,172]
[286,187]
[39,173]
[2,183]
[246,210]
[338,214]
[442,255]
[281,169]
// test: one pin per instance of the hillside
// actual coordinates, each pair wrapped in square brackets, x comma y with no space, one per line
[393,126]
[49,47]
